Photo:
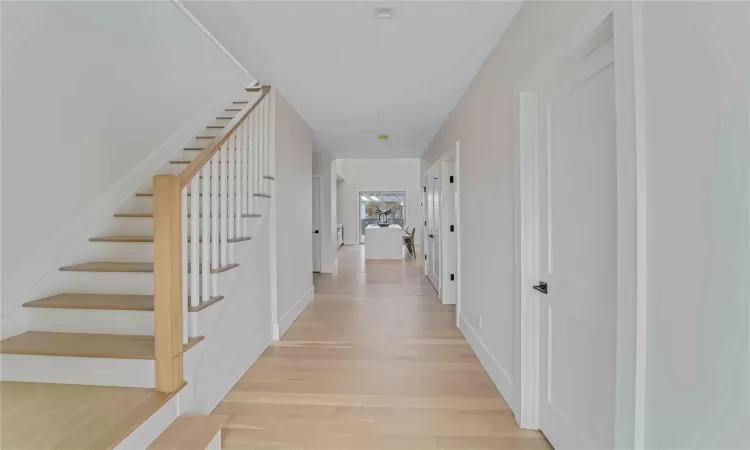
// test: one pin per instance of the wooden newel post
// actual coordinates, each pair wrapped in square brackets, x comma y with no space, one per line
[167,283]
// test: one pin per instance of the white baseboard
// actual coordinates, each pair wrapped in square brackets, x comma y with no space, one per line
[149,430]
[214,389]
[499,376]
[295,311]
[14,323]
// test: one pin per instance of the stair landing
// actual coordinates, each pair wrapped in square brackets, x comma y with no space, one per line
[38,416]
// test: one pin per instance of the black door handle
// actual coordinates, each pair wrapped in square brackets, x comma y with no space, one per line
[541,287]
[431,235]
[317,231]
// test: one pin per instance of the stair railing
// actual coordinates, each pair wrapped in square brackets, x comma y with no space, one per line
[197,214]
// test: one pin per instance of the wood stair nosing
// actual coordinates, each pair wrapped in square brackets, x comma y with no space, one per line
[236,109]
[205,137]
[123,239]
[224,118]
[268,177]
[189,433]
[127,267]
[215,127]
[240,102]
[262,194]
[115,346]
[109,302]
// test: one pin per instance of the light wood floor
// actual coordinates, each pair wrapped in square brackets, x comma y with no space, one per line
[374,363]
[41,416]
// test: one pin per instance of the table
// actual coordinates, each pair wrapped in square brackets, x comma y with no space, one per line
[384,242]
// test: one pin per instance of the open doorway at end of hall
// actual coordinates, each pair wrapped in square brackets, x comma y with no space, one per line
[380,206]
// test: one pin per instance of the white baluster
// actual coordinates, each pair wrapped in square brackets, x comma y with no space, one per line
[184,276]
[237,199]
[194,242]
[223,211]
[254,159]
[246,167]
[205,197]
[258,144]
[265,143]
[272,135]
[215,210]
[229,193]
[262,114]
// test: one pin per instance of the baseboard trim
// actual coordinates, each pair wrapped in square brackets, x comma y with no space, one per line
[499,376]
[295,311]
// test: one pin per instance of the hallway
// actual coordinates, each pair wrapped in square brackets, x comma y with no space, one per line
[374,363]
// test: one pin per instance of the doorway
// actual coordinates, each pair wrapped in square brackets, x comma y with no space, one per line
[578,232]
[433,218]
[377,206]
[317,237]
[442,220]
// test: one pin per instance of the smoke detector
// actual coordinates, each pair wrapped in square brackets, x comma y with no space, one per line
[384,12]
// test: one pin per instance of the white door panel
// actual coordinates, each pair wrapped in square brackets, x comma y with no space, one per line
[578,254]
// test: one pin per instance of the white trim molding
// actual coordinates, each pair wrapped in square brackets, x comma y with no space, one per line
[499,376]
[211,37]
[293,313]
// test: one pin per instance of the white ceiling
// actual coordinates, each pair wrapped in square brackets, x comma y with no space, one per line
[343,69]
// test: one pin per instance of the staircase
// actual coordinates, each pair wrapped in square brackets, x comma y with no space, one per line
[130,314]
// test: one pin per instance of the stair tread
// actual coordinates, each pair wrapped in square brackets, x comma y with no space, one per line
[128,239]
[262,194]
[117,346]
[131,267]
[110,266]
[118,302]
[149,239]
[189,433]
[110,302]
[150,215]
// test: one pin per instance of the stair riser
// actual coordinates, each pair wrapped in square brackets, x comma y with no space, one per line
[93,321]
[127,251]
[144,226]
[105,282]
[75,370]
[146,205]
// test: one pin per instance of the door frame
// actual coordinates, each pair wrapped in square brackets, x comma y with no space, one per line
[453,154]
[360,231]
[627,24]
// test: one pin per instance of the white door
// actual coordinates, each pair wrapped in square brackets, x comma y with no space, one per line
[433,223]
[448,256]
[577,213]
[316,224]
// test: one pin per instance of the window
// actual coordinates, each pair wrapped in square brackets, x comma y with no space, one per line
[377,205]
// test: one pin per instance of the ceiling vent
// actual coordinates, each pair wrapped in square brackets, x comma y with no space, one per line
[384,12]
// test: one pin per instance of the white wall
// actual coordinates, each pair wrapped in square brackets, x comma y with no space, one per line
[323,166]
[697,76]
[484,124]
[374,175]
[89,91]
[697,81]
[294,141]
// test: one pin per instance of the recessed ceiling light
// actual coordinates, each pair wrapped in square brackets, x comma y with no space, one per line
[384,12]
[383,137]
